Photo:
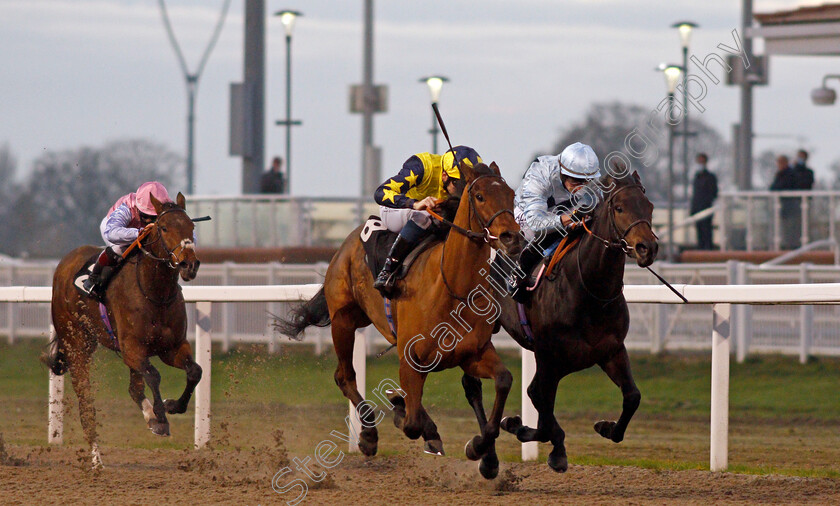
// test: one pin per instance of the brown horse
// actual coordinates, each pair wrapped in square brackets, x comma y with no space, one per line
[442,317]
[148,315]
[579,318]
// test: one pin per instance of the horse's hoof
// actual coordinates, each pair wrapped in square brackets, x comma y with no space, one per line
[470,448]
[489,466]
[159,429]
[368,443]
[434,447]
[399,418]
[173,407]
[607,430]
[511,424]
[558,463]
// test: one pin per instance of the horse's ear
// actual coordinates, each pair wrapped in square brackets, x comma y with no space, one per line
[495,169]
[157,205]
[181,201]
[636,177]
[467,172]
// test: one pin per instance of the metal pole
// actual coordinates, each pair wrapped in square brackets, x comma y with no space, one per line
[254,81]
[685,124]
[288,114]
[744,168]
[670,252]
[368,91]
[192,81]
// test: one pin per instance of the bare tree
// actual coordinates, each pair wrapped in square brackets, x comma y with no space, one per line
[606,126]
[69,192]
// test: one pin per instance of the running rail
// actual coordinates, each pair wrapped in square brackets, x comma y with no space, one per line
[720,297]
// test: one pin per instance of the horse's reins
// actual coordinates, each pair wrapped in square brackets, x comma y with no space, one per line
[621,243]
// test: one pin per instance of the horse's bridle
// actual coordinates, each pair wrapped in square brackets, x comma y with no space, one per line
[172,258]
[486,236]
[621,241]
[472,235]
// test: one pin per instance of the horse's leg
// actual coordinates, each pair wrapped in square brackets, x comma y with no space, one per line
[543,393]
[486,365]
[79,366]
[618,369]
[344,338]
[182,359]
[412,381]
[137,391]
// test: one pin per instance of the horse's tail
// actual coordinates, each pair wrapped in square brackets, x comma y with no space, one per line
[313,312]
[54,357]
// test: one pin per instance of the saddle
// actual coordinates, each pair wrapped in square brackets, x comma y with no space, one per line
[377,241]
[538,258]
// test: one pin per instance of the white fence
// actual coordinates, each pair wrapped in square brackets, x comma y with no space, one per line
[720,297]
[802,331]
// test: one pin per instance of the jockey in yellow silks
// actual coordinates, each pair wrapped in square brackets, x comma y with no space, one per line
[404,198]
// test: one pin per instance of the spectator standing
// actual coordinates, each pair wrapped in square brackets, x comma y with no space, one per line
[704,192]
[786,180]
[803,176]
[273,180]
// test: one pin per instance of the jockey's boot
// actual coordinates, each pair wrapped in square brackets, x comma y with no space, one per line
[100,275]
[519,283]
[385,280]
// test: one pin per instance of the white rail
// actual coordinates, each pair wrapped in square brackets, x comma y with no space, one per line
[719,296]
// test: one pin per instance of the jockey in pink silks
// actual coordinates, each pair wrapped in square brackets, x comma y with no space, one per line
[121,227]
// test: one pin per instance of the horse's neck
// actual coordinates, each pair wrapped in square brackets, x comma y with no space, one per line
[155,273]
[463,257]
[602,268]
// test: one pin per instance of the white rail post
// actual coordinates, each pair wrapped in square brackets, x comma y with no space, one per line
[55,430]
[203,343]
[718,455]
[360,366]
[743,314]
[530,417]
[806,320]
[227,308]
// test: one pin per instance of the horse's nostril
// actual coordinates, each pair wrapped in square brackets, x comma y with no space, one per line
[183,264]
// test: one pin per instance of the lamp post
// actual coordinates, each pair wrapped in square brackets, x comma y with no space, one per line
[435,83]
[672,75]
[287,17]
[685,28]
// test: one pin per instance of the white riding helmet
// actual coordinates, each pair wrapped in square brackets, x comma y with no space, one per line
[579,161]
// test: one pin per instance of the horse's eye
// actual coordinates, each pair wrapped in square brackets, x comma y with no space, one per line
[479,197]
[618,209]
[163,229]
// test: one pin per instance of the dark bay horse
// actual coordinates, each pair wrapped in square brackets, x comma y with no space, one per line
[146,308]
[580,318]
[444,316]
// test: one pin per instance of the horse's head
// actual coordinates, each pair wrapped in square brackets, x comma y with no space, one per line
[491,207]
[628,212]
[174,230]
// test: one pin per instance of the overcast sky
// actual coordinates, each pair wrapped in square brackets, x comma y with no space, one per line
[83,72]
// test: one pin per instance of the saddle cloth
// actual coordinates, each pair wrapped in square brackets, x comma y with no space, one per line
[81,276]
[377,241]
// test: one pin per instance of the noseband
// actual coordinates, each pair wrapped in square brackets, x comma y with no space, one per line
[172,254]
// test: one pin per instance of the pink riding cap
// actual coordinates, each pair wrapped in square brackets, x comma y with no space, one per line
[141,200]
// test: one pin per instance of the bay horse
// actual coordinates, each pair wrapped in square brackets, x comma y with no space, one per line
[146,308]
[579,318]
[438,320]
